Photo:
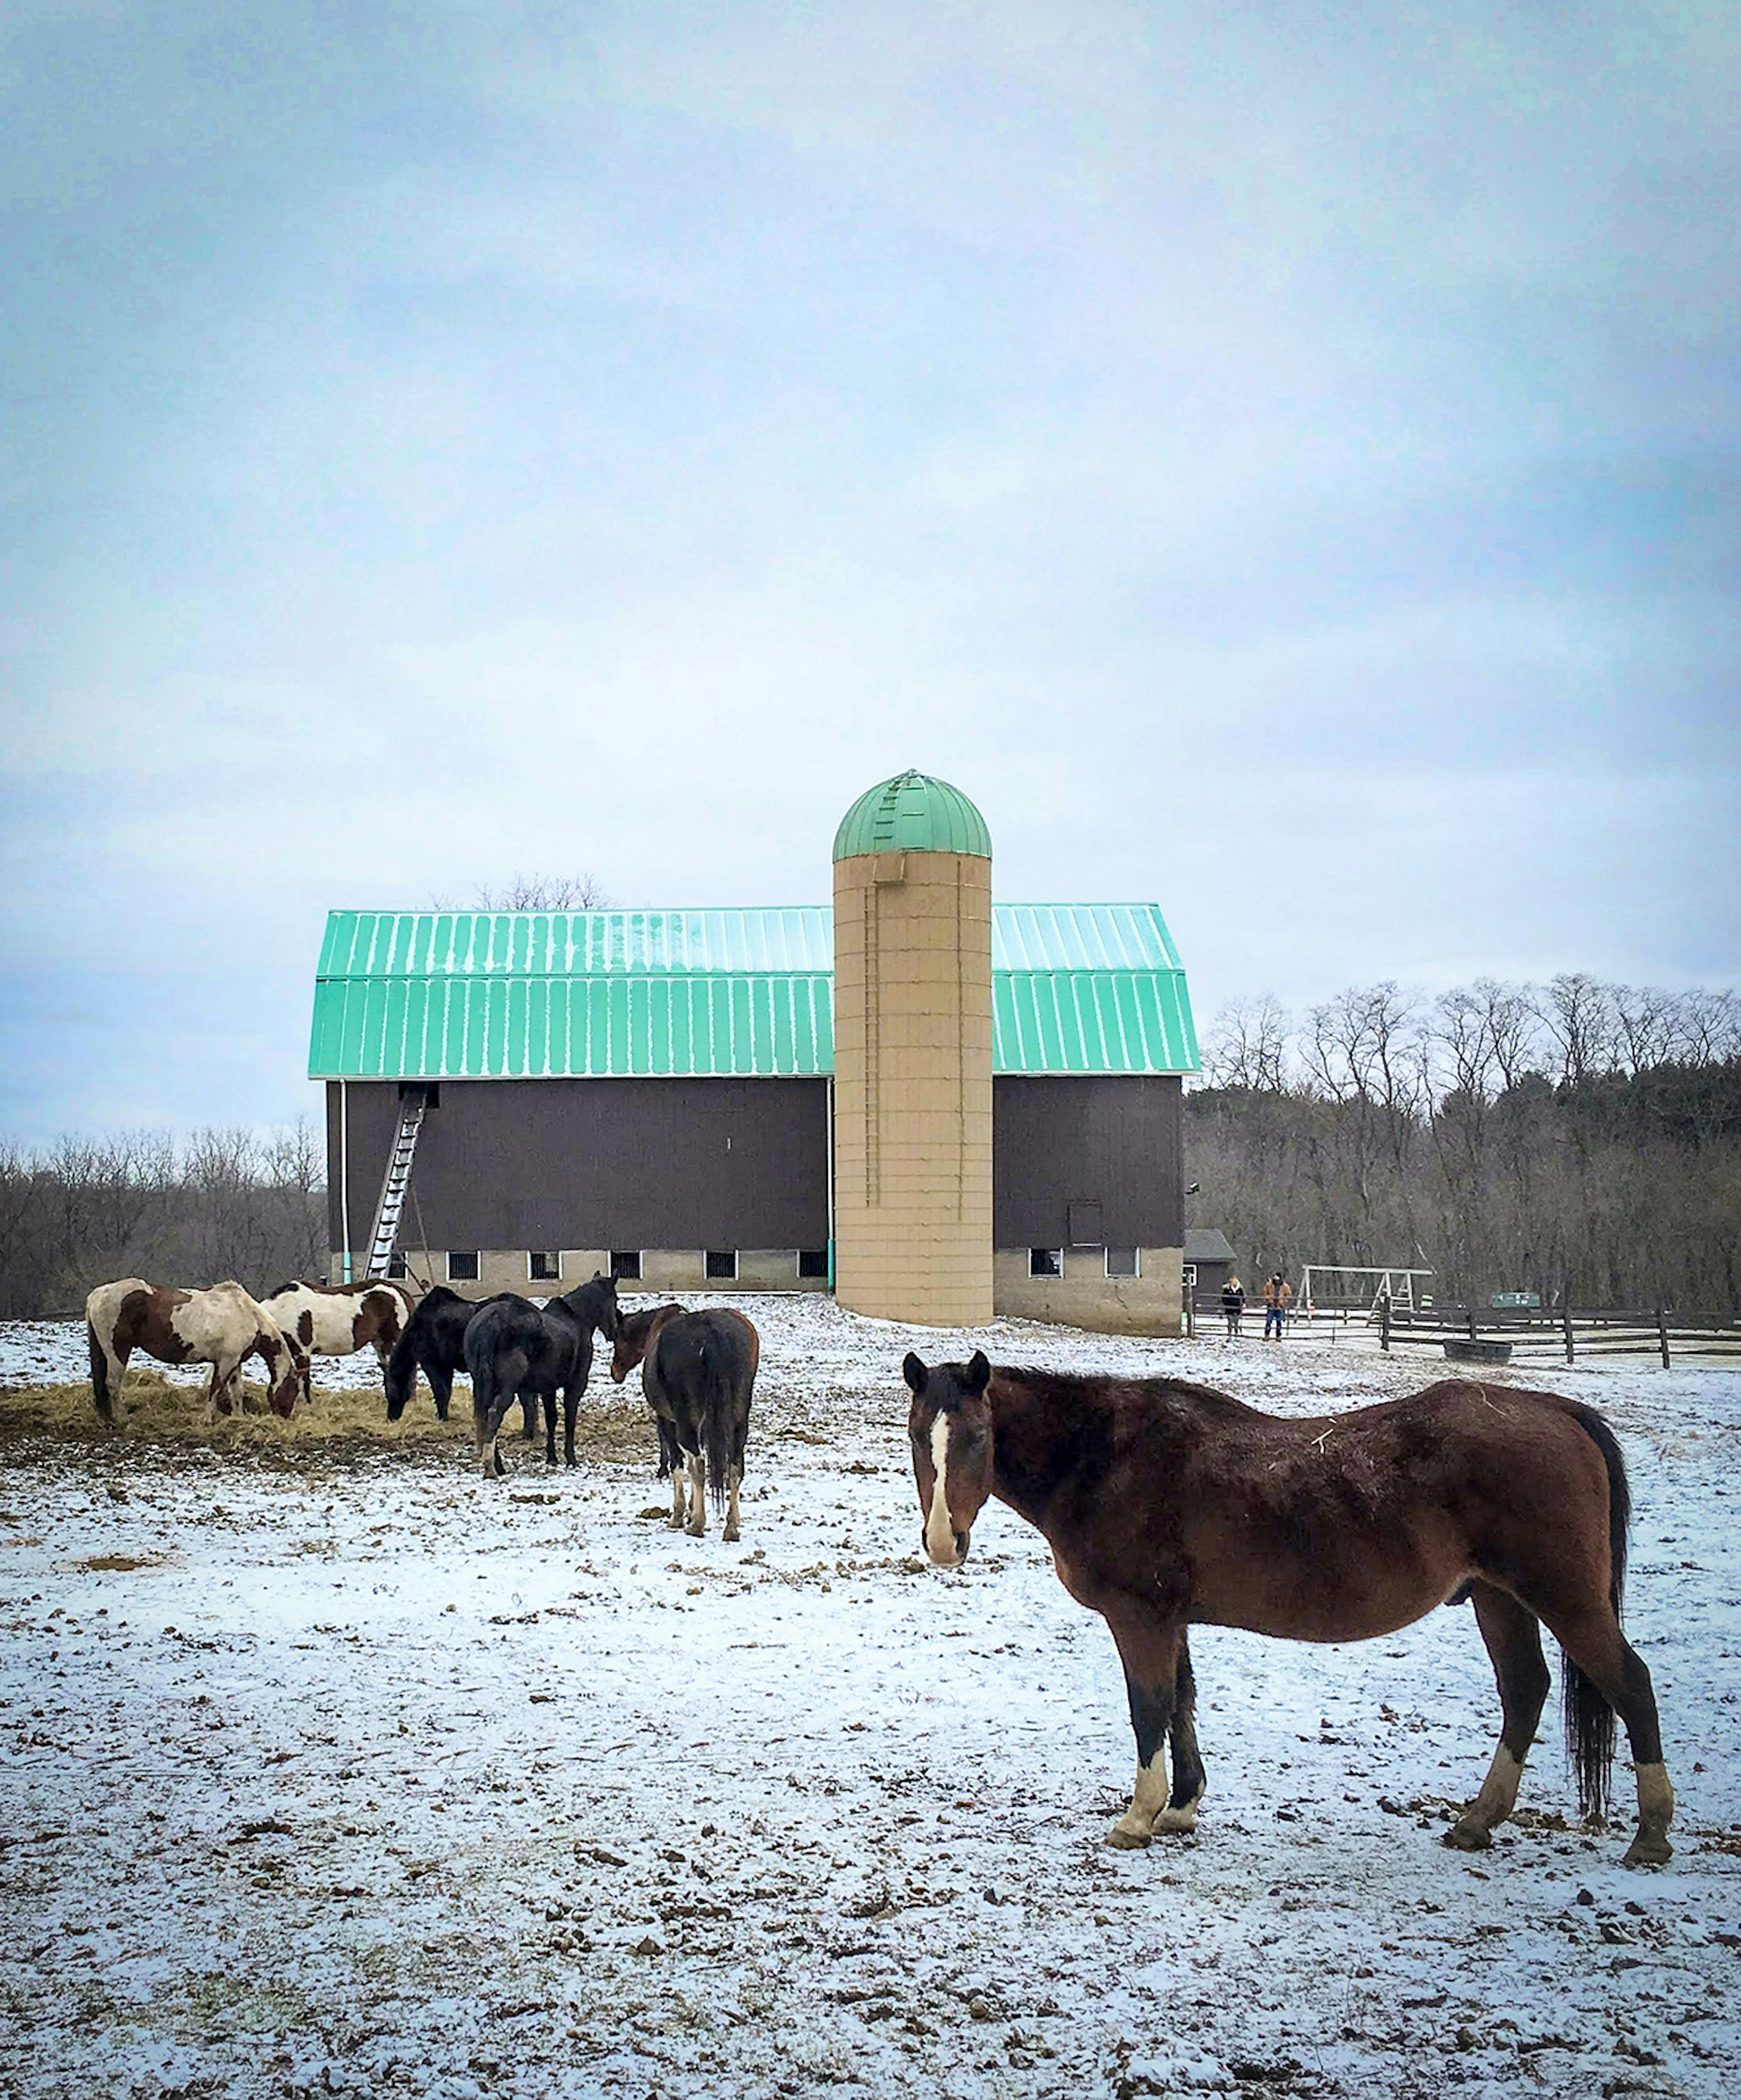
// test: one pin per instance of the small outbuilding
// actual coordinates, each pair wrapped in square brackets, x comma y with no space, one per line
[1209,1263]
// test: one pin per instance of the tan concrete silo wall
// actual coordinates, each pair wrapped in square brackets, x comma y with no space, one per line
[912,1086]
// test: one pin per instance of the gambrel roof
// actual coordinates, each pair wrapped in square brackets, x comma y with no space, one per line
[1075,988]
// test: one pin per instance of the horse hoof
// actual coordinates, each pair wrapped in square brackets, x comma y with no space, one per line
[1648,1852]
[1467,1837]
[1122,1839]
[731,1536]
[1175,1822]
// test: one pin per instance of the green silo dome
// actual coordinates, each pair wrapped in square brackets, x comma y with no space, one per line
[913,813]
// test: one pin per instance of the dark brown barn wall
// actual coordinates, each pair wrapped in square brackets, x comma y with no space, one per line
[1059,1144]
[597,1162]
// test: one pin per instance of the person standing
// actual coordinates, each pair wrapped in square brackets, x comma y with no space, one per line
[1278,1294]
[1233,1304]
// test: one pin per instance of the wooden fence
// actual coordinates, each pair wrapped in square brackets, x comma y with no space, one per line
[1563,1334]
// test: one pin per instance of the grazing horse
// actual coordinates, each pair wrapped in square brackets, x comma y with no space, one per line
[698,1371]
[513,1350]
[339,1319]
[433,1341]
[221,1326]
[1167,1505]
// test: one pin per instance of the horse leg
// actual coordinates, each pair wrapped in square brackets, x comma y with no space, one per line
[734,1476]
[441,1385]
[1149,1648]
[671,1463]
[549,1427]
[1513,1637]
[570,1414]
[108,1374]
[695,1466]
[491,1398]
[1189,1778]
[1593,1643]
[529,1417]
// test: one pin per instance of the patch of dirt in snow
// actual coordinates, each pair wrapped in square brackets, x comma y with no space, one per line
[333,1767]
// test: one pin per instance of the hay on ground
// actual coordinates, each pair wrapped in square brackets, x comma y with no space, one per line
[612,1425]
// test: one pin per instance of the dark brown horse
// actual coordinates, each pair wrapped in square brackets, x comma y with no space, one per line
[1167,1506]
[698,1371]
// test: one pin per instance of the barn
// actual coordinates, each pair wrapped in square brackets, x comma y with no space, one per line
[937,1105]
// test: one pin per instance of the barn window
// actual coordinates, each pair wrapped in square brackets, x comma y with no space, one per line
[1045,1261]
[462,1265]
[625,1264]
[543,1268]
[396,1266]
[1124,1261]
[1188,1275]
[722,1264]
[813,1261]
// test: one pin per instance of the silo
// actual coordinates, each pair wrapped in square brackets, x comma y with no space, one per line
[913,1055]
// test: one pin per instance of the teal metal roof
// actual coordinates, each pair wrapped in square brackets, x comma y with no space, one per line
[1077,988]
[913,813]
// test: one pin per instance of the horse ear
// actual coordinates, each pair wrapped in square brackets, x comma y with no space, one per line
[978,1371]
[914,1372]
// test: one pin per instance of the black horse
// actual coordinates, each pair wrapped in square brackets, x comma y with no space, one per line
[514,1350]
[433,1341]
[698,1371]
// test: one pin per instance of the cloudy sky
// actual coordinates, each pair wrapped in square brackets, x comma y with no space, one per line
[1279,460]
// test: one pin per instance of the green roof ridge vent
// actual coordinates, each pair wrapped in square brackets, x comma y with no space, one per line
[913,813]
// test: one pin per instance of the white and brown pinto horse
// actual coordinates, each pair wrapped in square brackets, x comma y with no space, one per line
[223,1326]
[1167,1506]
[339,1319]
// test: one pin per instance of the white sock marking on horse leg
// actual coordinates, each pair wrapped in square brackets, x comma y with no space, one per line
[1498,1797]
[696,1469]
[1650,1847]
[940,1534]
[678,1475]
[1148,1797]
[732,1478]
[1171,1821]
[1656,1799]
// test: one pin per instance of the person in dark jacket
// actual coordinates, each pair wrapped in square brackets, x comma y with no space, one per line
[1233,1304]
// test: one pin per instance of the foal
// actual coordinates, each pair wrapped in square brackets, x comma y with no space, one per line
[1167,1505]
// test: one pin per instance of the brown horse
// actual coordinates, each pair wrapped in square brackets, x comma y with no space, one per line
[698,1371]
[1167,1505]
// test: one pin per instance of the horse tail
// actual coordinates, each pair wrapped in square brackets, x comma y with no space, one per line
[1589,1718]
[716,1383]
[99,1391]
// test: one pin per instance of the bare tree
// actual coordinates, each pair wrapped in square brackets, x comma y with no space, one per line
[547,893]
[1575,1010]
[1248,1045]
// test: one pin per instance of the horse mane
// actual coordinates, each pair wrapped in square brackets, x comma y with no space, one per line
[1083,1389]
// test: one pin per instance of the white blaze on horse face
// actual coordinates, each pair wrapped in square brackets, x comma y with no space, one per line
[940,1533]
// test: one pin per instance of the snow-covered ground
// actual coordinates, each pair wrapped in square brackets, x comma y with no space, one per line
[371,1775]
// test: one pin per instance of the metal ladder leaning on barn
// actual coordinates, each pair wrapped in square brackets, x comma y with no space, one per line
[383,1235]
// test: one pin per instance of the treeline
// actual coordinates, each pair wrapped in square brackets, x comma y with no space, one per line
[217,1204]
[1578,1139]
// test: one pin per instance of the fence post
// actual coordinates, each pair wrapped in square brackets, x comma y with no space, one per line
[1384,1323]
[1565,1317]
[1473,1336]
[1662,1333]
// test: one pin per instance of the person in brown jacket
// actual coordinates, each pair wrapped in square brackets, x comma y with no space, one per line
[1278,1295]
